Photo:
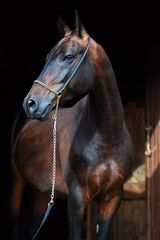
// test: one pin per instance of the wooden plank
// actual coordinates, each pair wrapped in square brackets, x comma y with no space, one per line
[153,161]
[135,186]
[134,190]
[130,221]
[134,113]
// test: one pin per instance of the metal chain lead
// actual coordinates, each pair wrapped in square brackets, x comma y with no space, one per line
[54,162]
[54,117]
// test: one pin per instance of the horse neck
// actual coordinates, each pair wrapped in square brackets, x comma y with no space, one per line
[105,107]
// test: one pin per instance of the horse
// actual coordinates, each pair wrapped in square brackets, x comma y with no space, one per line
[94,153]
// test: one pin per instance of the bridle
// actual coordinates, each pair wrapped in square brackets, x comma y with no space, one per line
[54,117]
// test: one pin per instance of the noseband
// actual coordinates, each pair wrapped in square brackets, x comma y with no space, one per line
[59,93]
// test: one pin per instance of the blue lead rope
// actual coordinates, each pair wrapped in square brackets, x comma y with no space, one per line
[44,219]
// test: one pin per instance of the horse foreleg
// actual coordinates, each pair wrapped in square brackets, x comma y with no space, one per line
[39,206]
[107,210]
[15,205]
[76,207]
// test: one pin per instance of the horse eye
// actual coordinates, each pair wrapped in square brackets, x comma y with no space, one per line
[69,57]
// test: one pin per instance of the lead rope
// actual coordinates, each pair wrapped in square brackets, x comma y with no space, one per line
[51,203]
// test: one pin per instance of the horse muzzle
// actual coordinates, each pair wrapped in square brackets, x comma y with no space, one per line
[37,108]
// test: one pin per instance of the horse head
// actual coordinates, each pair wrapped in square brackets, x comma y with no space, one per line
[60,66]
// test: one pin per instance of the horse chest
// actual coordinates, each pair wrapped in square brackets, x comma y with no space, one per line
[91,165]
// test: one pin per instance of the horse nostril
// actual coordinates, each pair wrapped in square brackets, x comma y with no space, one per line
[32,105]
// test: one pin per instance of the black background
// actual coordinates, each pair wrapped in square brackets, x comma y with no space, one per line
[127,31]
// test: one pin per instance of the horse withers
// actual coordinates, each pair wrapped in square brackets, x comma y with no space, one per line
[93,147]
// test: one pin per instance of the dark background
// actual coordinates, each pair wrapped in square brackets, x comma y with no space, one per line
[127,31]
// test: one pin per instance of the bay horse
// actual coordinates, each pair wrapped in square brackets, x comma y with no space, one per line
[93,149]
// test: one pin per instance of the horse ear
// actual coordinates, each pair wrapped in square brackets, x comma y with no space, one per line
[62,27]
[80,30]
